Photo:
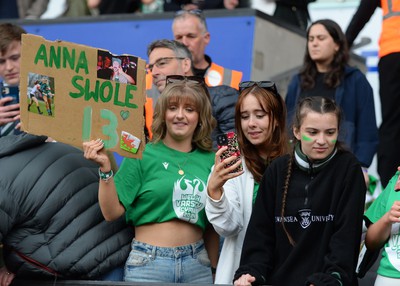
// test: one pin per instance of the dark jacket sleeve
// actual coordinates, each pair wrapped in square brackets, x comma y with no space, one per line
[366,137]
[364,12]
[258,246]
[342,254]
[223,101]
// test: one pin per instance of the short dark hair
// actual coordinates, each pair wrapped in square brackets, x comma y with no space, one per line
[178,48]
[9,33]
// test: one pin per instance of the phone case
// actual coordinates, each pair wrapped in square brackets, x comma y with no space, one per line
[10,91]
[230,139]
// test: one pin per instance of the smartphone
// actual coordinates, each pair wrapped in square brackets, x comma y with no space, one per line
[12,91]
[230,139]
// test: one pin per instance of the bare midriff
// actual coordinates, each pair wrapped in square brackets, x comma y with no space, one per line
[168,234]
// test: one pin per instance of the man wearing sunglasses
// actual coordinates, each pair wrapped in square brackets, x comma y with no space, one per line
[169,57]
[190,28]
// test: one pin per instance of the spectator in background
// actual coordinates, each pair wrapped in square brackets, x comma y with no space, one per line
[51,225]
[66,8]
[114,7]
[293,12]
[389,74]
[8,9]
[152,6]
[169,57]
[31,9]
[326,72]
[189,27]
[260,119]
[10,60]
[175,5]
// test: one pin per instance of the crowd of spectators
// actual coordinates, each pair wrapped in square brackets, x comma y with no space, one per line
[47,9]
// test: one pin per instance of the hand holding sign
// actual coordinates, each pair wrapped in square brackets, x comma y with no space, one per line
[87,104]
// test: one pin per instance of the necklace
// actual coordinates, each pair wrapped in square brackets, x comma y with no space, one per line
[180,169]
[175,155]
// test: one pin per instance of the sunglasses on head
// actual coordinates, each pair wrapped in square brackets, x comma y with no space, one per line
[192,79]
[181,78]
[267,85]
[197,12]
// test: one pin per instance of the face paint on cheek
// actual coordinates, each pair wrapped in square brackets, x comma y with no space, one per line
[334,141]
[305,138]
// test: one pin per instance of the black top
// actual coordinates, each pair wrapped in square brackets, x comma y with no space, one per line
[320,88]
[323,214]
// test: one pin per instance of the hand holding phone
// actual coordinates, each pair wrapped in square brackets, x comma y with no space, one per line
[13,92]
[229,139]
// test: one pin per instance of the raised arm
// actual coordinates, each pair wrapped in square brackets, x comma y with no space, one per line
[108,198]
[223,205]
[379,232]
[364,12]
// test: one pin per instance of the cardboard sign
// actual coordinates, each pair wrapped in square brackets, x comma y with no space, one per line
[74,93]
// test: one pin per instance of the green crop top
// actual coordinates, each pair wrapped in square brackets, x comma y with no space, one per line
[153,191]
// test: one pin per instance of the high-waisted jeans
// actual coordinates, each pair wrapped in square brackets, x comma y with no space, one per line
[182,264]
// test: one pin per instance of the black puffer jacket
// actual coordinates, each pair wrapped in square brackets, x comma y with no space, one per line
[50,219]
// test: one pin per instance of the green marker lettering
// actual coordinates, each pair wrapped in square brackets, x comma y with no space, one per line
[69,58]
[106,91]
[87,123]
[110,130]
[54,57]
[82,63]
[75,83]
[41,55]
[91,94]
[57,55]
[129,96]
[116,99]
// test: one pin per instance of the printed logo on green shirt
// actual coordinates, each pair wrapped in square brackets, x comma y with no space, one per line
[189,198]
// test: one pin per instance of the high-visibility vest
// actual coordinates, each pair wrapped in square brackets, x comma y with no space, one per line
[149,111]
[152,95]
[215,75]
[389,41]
[218,75]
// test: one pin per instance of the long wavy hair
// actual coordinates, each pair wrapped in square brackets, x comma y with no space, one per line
[196,94]
[317,104]
[335,73]
[277,142]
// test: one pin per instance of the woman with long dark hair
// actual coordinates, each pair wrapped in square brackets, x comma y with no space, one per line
[326,72]
[260,120]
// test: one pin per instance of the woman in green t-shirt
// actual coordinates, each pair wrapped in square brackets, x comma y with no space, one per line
[163,195]
[382,219]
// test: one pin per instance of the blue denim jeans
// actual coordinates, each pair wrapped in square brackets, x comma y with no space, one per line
[182,264]
[117,274]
